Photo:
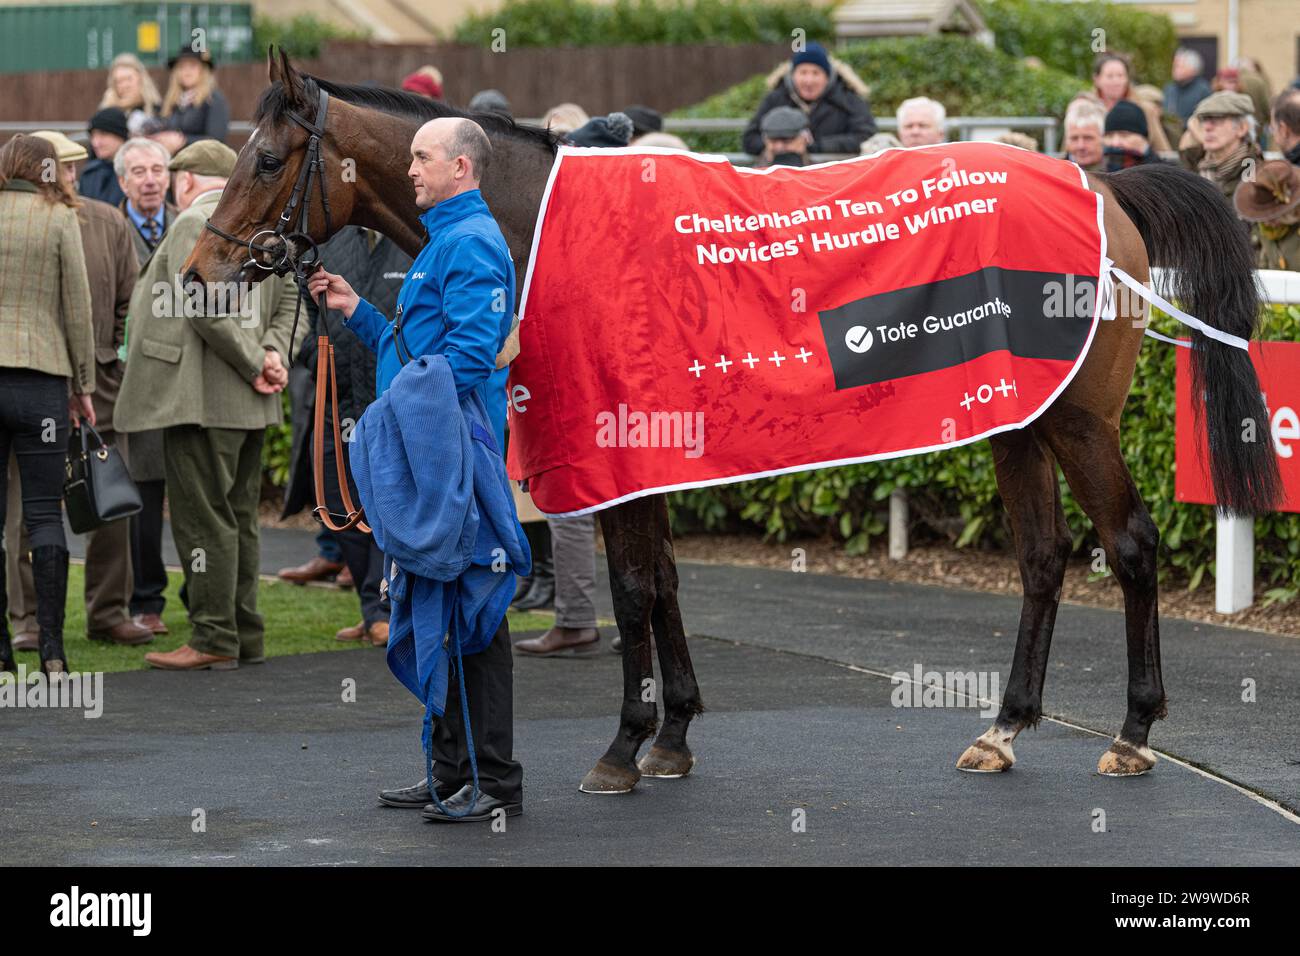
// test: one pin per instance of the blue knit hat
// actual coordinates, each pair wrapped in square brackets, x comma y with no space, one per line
[815,54]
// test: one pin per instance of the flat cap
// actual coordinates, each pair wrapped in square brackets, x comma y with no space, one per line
[207,157]
[783,122]
[1225,103]
[67,150]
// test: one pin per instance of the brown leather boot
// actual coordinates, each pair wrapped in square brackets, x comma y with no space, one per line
[186,658]
[355,633]
[127,633]
[317,569]
[562,642]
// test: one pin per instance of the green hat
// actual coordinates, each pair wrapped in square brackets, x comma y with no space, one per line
[207,157]
[1225,103]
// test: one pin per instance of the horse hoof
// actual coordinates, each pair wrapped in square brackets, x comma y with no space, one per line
[666,764]
[1125,760]
[606,778]
[990,754]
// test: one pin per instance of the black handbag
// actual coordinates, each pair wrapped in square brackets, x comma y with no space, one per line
[98,488]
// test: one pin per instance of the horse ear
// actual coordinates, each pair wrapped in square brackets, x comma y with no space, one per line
[292,82]
[272,66]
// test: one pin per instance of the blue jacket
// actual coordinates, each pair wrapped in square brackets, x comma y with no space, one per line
[99,181]
[458,300]
[434,487]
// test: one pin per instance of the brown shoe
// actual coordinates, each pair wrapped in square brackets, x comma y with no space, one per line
[378,634]
[344,579]
[27,641]
[317,569]
[186,658]
[128,633]
[355,633]
[562,642]
[151,621]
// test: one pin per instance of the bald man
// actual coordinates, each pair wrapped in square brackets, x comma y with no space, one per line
[457,301]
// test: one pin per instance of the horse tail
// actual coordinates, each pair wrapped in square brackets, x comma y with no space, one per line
[1189,230]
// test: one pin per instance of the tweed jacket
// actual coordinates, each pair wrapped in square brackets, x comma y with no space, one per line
[111,268]
[44,296]
[188,369]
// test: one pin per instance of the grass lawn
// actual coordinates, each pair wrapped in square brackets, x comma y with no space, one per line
[299,620]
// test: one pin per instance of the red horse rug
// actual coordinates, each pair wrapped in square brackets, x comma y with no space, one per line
[687,323]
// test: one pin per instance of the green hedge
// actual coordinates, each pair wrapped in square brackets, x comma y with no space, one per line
[633,22]
[967,78]
[1061,34]
[303,36]
[954,497]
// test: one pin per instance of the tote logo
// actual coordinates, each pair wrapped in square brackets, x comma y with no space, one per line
[75,909]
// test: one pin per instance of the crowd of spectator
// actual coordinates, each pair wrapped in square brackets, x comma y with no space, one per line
[109,224]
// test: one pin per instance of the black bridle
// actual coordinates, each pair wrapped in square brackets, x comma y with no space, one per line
[291,230]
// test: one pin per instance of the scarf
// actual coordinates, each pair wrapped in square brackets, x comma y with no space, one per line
[1227,170]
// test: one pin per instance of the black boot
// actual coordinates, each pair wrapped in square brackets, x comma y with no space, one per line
[50,575]
[6,649]
[541,593]
[541,585]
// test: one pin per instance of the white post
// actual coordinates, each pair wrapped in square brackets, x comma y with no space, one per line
[1234,561]
[897,524]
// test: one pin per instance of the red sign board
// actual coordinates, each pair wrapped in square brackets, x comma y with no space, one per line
[1278,366]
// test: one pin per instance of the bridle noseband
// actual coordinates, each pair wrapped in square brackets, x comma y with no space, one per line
[296,214]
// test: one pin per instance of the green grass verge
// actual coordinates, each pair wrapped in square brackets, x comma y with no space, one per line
[299,620]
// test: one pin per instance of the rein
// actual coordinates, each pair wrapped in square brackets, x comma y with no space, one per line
[284,260]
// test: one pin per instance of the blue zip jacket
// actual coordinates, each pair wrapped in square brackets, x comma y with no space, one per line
[437,498]
[458,300]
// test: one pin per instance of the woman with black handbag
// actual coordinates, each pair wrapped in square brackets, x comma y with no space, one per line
[47,368]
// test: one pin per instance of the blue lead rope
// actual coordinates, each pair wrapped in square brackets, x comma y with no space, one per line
[469,741]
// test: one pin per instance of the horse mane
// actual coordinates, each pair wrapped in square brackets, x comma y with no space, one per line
[276,104]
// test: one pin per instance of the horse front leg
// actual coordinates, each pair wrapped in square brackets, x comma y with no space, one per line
[631,548]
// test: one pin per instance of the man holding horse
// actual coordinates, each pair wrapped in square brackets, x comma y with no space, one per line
[456,301]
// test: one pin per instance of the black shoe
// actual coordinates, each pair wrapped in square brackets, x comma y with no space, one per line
[521,589]
[416,796]
[459,800]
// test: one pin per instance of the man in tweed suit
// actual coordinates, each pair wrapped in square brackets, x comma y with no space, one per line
[211,381]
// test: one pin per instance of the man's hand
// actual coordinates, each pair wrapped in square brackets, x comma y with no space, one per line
[338,294]
[274,376]
[79,407]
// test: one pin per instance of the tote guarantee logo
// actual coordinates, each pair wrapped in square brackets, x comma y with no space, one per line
[930,327]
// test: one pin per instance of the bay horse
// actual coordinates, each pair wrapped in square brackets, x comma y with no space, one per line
[1154,215]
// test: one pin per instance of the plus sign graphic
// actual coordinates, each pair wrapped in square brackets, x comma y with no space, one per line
[967,401]
[723,364]
[750,360]
[776,357]
[1004,388]
[802,355]
[697,368]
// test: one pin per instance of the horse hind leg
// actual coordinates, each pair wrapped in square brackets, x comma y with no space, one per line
[670,757]
[1089,453]
[1027,483]
[630,550]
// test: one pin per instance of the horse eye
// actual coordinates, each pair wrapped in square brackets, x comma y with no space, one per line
[268,164]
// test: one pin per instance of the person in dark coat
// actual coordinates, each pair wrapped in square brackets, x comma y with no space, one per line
[832,96]
[376,268]
[1188,87]
[98,180]
[193,108]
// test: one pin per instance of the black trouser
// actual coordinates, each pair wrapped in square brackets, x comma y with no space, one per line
[34,423]
[489,685]
[146,550]
[360,553]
